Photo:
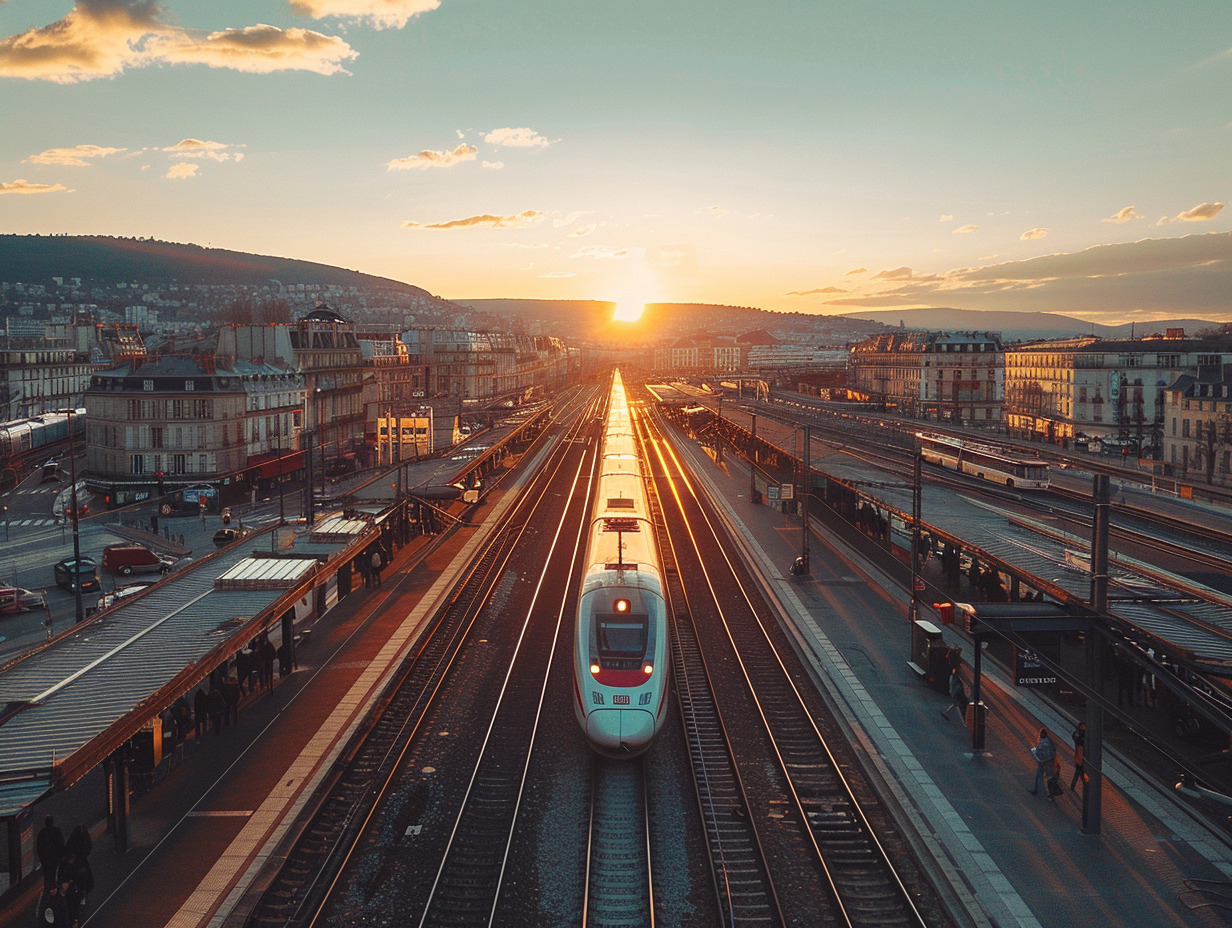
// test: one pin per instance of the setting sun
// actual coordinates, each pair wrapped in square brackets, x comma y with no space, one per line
[628,312]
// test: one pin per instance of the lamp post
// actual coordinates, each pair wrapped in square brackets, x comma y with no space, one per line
[72,467]
[282,513]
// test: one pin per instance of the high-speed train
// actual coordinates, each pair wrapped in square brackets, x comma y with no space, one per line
[620,650]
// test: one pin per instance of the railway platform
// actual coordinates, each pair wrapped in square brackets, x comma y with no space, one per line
[1010,857]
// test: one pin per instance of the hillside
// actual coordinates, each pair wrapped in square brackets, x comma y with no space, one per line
[590,320]
[105,261]
[1023,326]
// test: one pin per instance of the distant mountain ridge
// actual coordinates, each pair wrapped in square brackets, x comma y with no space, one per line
[99,259]
[1024,326]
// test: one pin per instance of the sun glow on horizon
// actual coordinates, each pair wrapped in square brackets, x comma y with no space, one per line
[628,312]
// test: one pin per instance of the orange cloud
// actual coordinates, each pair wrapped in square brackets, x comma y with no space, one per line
[1033,234]
[522,220]
[434,159]
[392,14]
[814,292]
[1200,213]
[103,38]
[76,156]
[516,138]
[182,170]
[965,230]
[1125,215]
[24,186]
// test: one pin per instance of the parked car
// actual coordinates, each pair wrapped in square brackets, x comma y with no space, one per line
[82,573]
[114,596]
[15,599]
[225,536]
[132,558]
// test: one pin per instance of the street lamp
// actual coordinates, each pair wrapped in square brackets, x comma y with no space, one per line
[72,467]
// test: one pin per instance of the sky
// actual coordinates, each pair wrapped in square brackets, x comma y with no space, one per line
[793,155]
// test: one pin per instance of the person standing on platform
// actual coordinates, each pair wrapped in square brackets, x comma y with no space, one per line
[50,849]
[218,706]
[51,910]
[958,696]
[231,700]
[1080,746]
[268,655]
[78,848]
[201,712]
[1044,754]
[378,562]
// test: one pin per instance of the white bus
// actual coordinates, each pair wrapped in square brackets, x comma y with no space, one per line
[1000,465]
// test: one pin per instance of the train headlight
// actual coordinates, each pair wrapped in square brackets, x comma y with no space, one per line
[648,669]
[622,605]
[594,669]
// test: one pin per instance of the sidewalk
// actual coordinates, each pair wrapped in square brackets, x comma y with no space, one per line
[1013,858]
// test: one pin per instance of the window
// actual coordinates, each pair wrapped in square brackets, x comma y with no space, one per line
[137,464]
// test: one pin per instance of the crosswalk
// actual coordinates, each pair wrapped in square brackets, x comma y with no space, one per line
[31,523]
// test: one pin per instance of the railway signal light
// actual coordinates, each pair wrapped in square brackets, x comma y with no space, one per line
[622,605]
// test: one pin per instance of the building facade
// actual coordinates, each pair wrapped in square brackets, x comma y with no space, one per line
[942,376]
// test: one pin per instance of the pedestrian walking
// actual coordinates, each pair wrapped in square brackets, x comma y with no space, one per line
[51,910]
[377,563]
[1044,753]
[254,667]
[201,712]
[218,706]
[268,654]
[78,847]
[958,696]
[231,700]
[49,846]
[1080,746]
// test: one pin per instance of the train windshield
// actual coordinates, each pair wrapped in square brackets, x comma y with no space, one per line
[622,639]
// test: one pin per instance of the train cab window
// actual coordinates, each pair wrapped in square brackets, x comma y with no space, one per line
[622,641]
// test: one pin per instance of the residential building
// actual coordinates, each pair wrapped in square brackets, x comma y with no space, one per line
[943,376]
[1084,390]
[1197,443]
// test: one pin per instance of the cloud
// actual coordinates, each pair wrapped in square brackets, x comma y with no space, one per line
[946,218]
[1187,275]
[103,38]
[898,273]
[198,149]
[77,156]
[559,222]
[522,220]
[586,228]
[1033,234]
[24,186]
[382,14]
[516,138]
[434,159]
[558,274]
[256,49]
[182,170]
[717,210]
[814,292]
[494,165]
[1128,214]
[856,270]
[1200,213]
[600,252]
[965,230]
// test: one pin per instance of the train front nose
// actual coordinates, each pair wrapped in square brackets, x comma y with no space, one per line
[620,732]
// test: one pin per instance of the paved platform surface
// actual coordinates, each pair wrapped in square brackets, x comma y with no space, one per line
[1015,859]
[1012,859]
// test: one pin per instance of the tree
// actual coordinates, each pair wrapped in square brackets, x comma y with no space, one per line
[1214,435]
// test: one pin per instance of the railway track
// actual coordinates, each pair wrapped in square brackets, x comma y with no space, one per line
[345,804]
[743,888]
[619,884]
[807,803]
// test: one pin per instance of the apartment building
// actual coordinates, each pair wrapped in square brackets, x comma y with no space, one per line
[953,377]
